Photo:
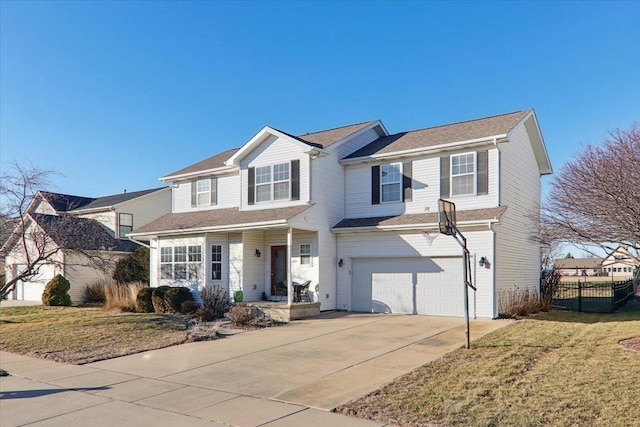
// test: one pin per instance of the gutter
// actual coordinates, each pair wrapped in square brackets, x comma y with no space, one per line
[219,170]
[138,242]
[238,227]
[431,226]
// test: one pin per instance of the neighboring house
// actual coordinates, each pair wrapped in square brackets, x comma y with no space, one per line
[620,264]
[579,267]
[82,233]
[354,210]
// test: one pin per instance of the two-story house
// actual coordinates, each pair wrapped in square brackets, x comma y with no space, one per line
[77,235]
[354,210]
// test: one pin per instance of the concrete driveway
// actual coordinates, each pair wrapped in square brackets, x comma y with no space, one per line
[289,375]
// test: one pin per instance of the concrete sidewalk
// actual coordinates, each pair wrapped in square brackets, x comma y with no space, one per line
[283,376]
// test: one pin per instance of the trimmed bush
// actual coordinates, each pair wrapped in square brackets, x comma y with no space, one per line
[238,296]
[243,317]
[157,299]
[56,291]
[144,304]
[189,307]
[215,298]
[174,298]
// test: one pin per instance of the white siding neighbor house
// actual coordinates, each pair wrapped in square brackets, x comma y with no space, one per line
[75,230]
[353,210]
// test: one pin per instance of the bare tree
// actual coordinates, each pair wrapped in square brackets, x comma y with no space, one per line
[36,239]
[595,199]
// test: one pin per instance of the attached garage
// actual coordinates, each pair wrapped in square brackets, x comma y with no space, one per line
[419,285]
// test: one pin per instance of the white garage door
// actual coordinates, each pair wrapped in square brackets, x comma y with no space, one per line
[431,286]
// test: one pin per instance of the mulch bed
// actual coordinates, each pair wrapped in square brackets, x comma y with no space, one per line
[632,344]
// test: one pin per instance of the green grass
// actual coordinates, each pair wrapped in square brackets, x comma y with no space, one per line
[81,335]
[559,368]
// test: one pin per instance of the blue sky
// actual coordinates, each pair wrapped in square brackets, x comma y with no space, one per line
[114,95]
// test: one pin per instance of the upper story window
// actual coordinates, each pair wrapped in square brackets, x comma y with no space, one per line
[274,182]
[391,182]
[463,174]
[263,184]
[125,224]
[204,192]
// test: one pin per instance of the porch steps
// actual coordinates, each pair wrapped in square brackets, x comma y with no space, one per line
[195,293]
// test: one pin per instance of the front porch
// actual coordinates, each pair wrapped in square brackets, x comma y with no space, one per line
[280,311]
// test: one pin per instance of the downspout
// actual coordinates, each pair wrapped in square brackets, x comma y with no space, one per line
[493,273]
[498,178]
[289,274]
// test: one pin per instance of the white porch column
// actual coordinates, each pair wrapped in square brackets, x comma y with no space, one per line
[289,275]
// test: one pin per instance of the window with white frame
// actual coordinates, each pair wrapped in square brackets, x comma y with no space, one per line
[391,182]
[305,254]
[203,192]
[181,262]
[263,184]
[463,174]
[281,181]
[216,262]
[125,224]
[273,186]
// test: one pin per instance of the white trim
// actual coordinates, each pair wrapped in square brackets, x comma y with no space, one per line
[432,226]
[197,174]
[353,135]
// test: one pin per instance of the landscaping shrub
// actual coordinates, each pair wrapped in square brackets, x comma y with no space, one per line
[243,317]
[216,299]
[548,287]
[238,296]
[56,291]
[189,307]
[94,292]
[518,302]
[174,297]
[143,301]
[133,268]
[122,296]
[157,299]
[205,314]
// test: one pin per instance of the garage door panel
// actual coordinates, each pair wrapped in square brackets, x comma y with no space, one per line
[430,286]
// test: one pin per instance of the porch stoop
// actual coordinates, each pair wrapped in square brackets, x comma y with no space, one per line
[281,312]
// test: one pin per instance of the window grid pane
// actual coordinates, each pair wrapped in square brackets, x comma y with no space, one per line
[216,262]
[462,174]
[281,190]
[263,175]
[391,193]
[180,254]
[281,172]
[263,193]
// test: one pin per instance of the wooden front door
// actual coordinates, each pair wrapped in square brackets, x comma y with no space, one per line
[278,266]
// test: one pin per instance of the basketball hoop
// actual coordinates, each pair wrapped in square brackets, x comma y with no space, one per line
[429,237]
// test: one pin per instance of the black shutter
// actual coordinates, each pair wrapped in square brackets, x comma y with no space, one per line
[194,195]
[407,170]
[214,191]
[483,173]
[444,177]
[375,185]
[295,179]
[251,186]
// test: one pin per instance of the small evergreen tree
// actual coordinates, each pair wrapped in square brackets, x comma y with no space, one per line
[56,291]
[133,268]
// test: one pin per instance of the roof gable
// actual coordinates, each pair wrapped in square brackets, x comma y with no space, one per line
[325,138]
[487,127]
[65,202]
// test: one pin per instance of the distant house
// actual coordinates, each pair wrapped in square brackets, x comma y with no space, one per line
[579,266]
[81,233]
[619,265]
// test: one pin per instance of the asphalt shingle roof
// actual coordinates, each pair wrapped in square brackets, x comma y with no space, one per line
[327,137]
[72,232]
[217,218]
[418,219]
[579,263]
[212,162]
[68,203]
[434,136]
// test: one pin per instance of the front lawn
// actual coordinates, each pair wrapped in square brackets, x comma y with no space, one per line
[81,335]
[557,368]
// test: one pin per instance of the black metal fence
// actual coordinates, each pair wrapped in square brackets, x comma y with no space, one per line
[595,297]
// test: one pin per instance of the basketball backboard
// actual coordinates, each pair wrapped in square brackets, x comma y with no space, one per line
[446,217]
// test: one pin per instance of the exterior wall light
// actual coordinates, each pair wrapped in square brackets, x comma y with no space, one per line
[340,263]
[483,261]
[258,253]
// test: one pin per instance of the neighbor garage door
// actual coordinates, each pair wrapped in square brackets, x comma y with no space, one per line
[431,286]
